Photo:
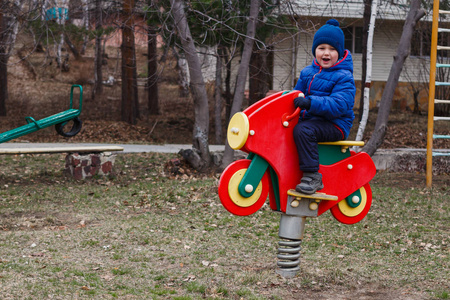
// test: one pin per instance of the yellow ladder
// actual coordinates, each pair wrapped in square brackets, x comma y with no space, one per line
[431,96]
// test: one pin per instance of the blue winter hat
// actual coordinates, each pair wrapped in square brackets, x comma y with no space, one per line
[330,34]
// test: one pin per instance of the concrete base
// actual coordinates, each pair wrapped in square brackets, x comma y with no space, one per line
[288,273]
[89,164]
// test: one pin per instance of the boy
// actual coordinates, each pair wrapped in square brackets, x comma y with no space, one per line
[327,107]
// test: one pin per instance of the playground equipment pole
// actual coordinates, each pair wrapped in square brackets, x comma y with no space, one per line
[431,93]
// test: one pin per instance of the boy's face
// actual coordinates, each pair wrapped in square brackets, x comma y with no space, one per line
[326,55]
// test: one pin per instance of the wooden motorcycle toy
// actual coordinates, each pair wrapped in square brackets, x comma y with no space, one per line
[265,131]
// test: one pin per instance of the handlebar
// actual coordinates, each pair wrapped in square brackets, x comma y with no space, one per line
[286,118]
[80,103]
[290,117]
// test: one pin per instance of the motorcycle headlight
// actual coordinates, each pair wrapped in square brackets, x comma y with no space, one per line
[238,130]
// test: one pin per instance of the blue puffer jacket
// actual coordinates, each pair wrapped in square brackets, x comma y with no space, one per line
[331,91]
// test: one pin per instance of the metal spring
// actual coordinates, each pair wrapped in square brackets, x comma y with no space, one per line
[289,255]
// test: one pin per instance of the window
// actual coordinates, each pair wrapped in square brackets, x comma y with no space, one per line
[353,38]
[421,42]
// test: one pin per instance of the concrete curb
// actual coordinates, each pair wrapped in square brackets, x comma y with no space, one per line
[410,160]
[394,160]
[9,148]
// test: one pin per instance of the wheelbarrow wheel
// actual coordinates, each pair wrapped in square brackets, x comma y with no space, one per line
[346,214]
[76,127]
[229,194]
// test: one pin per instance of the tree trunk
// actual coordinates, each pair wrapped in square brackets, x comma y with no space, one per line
[200,157]
[152,80]
[416,102]
[368,77]
[8,33]
[3,84]
[44,9]
[377,138]
[3,65]
[86,25]
[130,109]
[218,97]
[61,21]
[72,47]
[228,95]
[98,58]
[366,18]
[258,76]
[59,61]
[242,73]
[183,74]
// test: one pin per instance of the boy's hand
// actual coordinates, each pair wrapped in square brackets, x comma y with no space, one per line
[302,102]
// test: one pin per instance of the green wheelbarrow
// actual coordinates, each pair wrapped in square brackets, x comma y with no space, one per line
[60,120]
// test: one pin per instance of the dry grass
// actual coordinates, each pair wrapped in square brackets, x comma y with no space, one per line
[147,234]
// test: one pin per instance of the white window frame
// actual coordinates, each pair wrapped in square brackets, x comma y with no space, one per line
[353,33]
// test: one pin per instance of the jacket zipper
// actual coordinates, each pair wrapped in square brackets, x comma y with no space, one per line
[309,87]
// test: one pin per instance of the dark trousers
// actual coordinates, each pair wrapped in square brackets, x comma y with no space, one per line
[306,136]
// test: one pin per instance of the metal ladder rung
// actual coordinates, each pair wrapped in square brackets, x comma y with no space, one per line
[440,154]
[443,47]
[441,136]
[442,65]
[438,83]
[443,30]
[441,101]
[441,118]
[441,11]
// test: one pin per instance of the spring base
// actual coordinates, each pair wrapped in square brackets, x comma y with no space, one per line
[288,258]
[291,234]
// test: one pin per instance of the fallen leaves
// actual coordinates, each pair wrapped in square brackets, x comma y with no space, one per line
[107,277]
[39,254]
[191,277]
[209,264]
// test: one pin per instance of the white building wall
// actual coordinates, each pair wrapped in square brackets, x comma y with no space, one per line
[284,65]
[385,44]
[386,38]
[388,30]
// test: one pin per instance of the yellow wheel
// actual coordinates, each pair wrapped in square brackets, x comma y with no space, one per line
[229,194]
[234,194]
[349,211]
[346,214]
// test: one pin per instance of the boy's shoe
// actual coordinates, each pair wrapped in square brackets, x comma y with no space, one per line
[310,183]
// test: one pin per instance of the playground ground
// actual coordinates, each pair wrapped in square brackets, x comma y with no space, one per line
[147,233]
